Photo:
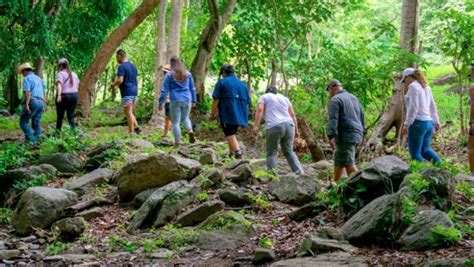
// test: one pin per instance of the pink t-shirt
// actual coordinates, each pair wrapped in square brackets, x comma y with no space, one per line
[63,78]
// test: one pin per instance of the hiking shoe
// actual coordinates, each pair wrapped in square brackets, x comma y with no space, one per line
[238,154]
[192,140]
[138,130]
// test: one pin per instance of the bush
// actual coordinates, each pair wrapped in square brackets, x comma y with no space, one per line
[446,236]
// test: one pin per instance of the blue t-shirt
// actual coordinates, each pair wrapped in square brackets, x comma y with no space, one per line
[129,86]
[234,101]
[32,83]
[179,91]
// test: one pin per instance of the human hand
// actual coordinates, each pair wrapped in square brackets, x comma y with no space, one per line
[28,110]
[255,131]
[404,130]
[59,99]
[332,143]
[437,127]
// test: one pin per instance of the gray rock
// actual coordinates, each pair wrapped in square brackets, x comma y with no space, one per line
[315,244]
[242,174]
[141,197]
[40,207]
[173,203]
[371,224]
[236,197]
[295,189]
[71,228]
[91,214]
[153,204]
[162,254]
[199,213]
[101,154]
[140,144]
[86,183]
[228,238]
[9,254]
[154,171]
[208,156]
[76,258]
[448,262]
[307,211]
[461,177]
[323,165]
[63,162]
[418,236]
[381,176]
[335,259]
[263,255]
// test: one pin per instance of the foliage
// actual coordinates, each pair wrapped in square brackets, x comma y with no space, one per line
[150,245]
[177,238]
[409,210]
[69,140]
[201,197]
[56,248]
[39,180]
[269,174]
[5,216]
[466,189]
[260,201]
[446,236]
[120,242]
[13,156]
[418,185]
[265,242]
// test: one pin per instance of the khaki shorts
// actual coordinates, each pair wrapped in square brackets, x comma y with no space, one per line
[345,154]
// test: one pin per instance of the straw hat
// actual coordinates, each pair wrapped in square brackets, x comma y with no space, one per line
[24,66]
[166,68]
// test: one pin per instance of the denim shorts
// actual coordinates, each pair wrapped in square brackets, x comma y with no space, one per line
[128,100]
[345,154]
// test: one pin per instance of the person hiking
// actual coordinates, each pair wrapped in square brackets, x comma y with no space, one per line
[179,84]
[167,127]
[231,99]
[128,82]
[34,103]
[422,119]
[346,128]
[282,128]
[67,84]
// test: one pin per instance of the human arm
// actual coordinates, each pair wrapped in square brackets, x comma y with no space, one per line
[193,90]
[258,117]
[333,123]
[295,121]
[164,92]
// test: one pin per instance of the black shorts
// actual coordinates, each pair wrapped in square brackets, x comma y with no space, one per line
[230,129]
[167,110]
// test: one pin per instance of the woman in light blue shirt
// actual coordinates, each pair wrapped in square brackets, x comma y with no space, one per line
[180,85]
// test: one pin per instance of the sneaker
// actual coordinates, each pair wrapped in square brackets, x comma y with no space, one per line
[238,154]
[192,140]
[138,130]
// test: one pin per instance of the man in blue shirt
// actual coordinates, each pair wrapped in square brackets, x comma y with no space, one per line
[128,82]
[232,99]
[33,90]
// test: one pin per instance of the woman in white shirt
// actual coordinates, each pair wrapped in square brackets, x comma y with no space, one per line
[422,118]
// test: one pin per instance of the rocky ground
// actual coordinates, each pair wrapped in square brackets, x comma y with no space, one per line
[143,203]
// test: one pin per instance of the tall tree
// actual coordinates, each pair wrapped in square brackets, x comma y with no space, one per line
[106,51]
[159,58]
[207,44]
[174,37]
[394,115]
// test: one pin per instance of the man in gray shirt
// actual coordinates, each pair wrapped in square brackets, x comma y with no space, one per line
[346,128]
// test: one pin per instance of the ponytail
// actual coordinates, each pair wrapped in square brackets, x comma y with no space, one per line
[64,65]
[420,78]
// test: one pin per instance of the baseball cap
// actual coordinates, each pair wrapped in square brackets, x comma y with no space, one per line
[407,72]
[333,83]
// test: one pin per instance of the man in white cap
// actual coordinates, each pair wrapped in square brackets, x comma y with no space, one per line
[33,90]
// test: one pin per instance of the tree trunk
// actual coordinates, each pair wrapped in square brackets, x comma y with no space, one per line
[10,92]
[159,59]
[38,64]
[172,49]
[208,42]
[186,15]
[395,114]
[273,75]
[316,151]
[106,79]
[106,51]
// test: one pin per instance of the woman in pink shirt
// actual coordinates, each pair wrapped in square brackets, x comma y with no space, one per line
[67,84]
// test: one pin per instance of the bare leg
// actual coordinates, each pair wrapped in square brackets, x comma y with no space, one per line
[127,110]
[350,169]
[233,143]
[338,171]
[470,149]
[167,126]
[133,116]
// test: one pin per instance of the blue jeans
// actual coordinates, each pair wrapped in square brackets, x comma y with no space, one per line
[36,110]
[419,139]
[180,113]
[282,134]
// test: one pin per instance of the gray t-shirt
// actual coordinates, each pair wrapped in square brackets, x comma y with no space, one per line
[276,109]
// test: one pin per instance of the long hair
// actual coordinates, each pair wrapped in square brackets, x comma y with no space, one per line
[177,68]
[420,77]
[64,65]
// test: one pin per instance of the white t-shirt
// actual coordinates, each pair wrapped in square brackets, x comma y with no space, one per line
[420,104]
[276,109]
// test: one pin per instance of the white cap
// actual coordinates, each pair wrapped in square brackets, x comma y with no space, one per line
[407,72]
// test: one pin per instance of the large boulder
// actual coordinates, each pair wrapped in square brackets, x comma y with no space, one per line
[241,174]
[419,236]
[208,156]
[141,197]
[87,183]
[70,228]
[373,222]
[236,197]
[461,177]
[307,211]
[63,162]
[295,189]
[146,215]
[23,174]
[153,171]
[173,203]
[263,255]
[40,207]
[200,213]
[140,144]
[381,176]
